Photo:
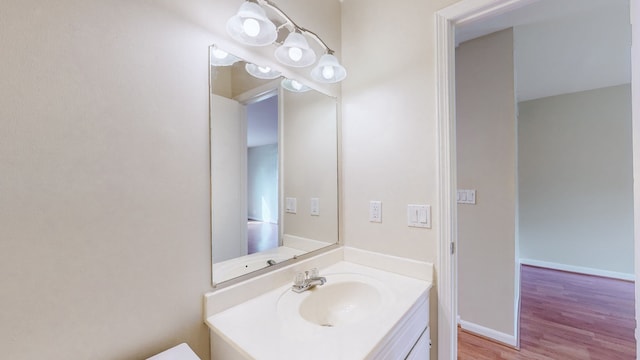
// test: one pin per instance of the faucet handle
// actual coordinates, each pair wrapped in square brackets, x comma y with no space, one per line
[299,279]
[314,273]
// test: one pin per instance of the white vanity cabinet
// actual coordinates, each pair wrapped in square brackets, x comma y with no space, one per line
[408,337]
[360,313]
[421,349]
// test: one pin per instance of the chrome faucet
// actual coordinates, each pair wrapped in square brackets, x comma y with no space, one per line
[304,281]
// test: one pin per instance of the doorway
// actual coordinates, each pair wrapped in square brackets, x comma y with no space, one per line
[262,175]
[461,13]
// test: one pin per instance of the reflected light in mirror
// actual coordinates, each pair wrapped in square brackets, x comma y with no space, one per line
[220,57]
[262,72]
[294,85]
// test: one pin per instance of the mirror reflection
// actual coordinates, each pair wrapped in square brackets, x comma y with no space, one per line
[274,163]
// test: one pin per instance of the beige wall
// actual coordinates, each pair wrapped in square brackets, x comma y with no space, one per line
[389,127]
[576,181]
[104,249]
[486,160]
[310,164]
[104,211]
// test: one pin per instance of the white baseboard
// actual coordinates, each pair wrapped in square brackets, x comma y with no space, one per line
[579,269]
[489,333]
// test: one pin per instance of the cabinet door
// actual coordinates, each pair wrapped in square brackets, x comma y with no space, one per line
[421,349]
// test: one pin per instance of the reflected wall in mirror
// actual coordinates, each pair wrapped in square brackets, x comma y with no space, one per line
[274,168]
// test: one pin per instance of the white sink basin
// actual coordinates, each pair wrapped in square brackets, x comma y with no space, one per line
[345,299]
[342,303]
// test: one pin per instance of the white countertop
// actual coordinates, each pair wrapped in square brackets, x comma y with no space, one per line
[257,329]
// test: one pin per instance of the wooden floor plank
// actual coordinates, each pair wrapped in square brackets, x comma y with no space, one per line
[565,316]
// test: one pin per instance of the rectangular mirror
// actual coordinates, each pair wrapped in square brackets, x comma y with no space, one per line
[274,168]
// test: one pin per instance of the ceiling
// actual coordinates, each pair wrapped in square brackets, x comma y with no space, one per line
[564,46]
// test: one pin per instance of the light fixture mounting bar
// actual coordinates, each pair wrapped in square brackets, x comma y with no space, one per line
[294,27]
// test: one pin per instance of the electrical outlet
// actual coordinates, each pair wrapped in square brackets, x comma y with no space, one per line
[375,211]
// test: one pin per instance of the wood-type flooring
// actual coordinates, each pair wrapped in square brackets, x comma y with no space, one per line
[565,316]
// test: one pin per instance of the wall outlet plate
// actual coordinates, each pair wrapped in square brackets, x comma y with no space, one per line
[375,211]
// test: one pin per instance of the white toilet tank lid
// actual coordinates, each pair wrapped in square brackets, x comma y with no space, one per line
[178,352]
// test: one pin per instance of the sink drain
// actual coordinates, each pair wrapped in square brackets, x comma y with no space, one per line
[327,325]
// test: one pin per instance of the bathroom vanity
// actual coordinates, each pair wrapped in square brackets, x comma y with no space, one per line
[372,306]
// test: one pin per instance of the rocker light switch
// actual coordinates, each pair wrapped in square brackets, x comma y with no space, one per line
[419,216]
[315,207]
[291,205]
[466,196]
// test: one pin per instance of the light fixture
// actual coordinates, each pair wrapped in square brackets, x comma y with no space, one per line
[262,72]
[295,51]
[220,57]
[294,85]
[252,26]
[328,70]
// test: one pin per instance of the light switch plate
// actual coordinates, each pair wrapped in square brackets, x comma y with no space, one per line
[291,205]
[315,207]
[419,216]
[465,196]
[375,211]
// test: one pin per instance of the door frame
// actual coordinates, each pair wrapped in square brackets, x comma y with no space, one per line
[446,20]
